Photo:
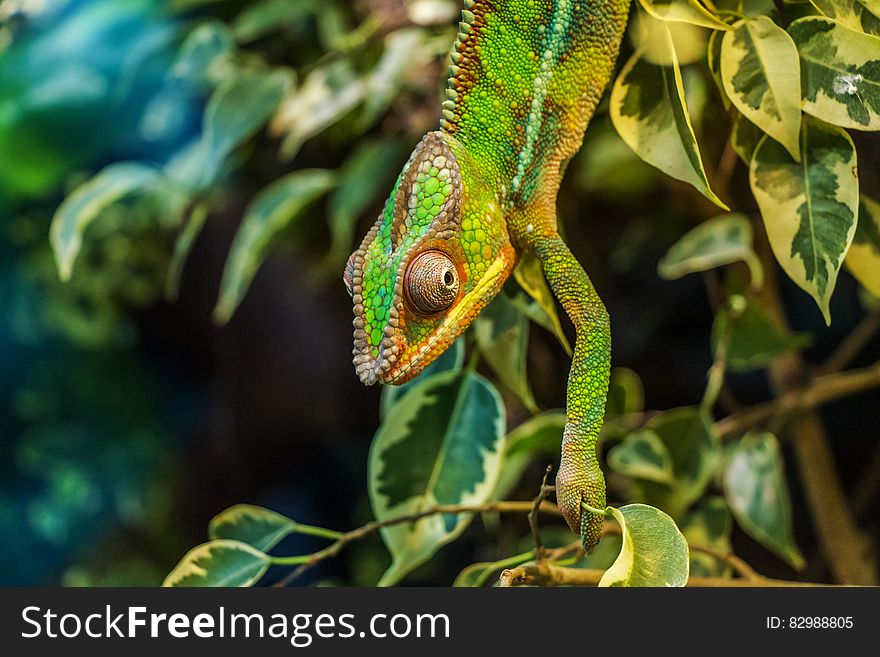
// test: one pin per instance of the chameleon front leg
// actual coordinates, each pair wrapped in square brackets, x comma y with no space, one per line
[580,478]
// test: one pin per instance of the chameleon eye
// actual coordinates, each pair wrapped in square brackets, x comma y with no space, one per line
[431,282]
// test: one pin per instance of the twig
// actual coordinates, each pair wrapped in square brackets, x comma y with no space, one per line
[738,565]
[371,527]
[852,344]
[546,574]
[533,514]
[821,390]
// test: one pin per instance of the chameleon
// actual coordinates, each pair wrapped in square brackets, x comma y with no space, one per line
[479,194]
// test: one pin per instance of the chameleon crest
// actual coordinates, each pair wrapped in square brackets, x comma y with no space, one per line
[436,256]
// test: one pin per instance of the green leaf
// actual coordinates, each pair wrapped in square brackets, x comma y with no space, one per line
[259,18]
[219,563]
[441,444]
[650,114]
[863,257]
[530,276]
[840,72]
[755,338]
[258,527]
[744,137]
[683,11]
[541,434]
[237,110]
[643,455]
[695,450]
[271,211]
[626,393]
[183,245]
[654,552]
[450,360]
[502,336]
[755,490]
[718,241]
[855,14]
[713,57]
[809,208]
[203,47]
[366,174]
[86,203]
[326,95]
[760,72]
[709,525]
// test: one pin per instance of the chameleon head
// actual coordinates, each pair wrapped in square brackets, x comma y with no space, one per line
[436,256]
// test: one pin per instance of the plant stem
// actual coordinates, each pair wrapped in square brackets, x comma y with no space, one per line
[320,532]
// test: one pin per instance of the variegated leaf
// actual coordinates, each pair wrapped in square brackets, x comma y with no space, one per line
[854,14]
[809,208]
[683,11]
[744,137]
[440,444]
[863,258]
[840,73]
[650,114]
[759,69]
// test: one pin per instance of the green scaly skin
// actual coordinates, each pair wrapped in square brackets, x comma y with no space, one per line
[525,78]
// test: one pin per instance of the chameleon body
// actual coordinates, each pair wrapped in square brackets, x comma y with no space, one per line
[525,78]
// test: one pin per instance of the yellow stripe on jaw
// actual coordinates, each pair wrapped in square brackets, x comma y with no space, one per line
[455,316]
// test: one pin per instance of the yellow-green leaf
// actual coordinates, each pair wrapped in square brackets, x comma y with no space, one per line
[744,137]
[86,203]
[260,528]
[219,563]
[760,72]
[809,207]
[855,14]
[863,258]
[269,213]
[650,114]
[530,276]
[653,553]
[718,241]
[840,73]
[683,11]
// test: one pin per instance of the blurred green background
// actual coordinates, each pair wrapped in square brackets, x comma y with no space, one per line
[129,417]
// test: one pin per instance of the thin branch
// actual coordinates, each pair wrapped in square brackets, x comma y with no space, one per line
[738,565]
[533,514]
[819,391]
[546,574]
[371,527]
[852,344]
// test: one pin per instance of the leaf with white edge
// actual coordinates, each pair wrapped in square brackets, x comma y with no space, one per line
[86,203]
[221,563]
[203,47]
[258,527]
[502,336]
[695,449]
[683,11]
[530,276]
[709,525]
[541,434]
[840,73]
[271,211]
[756,491]
[643,455]
[718,241]
[654,552]
[863,257]
[755,338]
[441,444]
[744,137]
[450,360]
[649,112]
[809,207]
[760,72]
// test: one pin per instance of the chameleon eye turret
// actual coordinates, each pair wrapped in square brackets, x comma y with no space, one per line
[431,282]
